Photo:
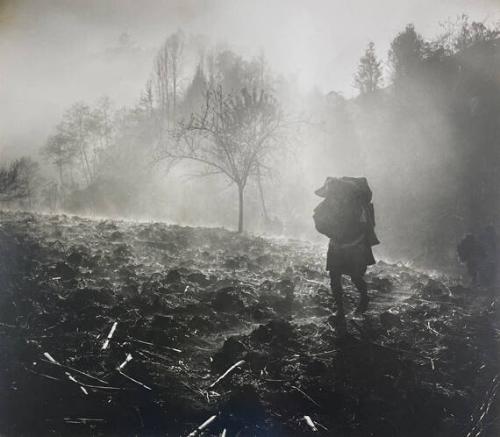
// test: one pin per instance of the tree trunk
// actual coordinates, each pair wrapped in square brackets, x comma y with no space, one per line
[174,89]
[261,192]
[60,168]
[240,209]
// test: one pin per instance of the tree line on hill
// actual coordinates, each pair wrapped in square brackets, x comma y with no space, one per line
[423,128]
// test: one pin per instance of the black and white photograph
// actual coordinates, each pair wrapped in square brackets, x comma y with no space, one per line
[249,218]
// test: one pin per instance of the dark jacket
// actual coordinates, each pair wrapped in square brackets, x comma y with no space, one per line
[349,260]
[349,251]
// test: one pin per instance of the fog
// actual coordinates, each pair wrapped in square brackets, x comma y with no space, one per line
[56,53]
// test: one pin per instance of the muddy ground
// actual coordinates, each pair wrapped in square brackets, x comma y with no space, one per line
[182,306]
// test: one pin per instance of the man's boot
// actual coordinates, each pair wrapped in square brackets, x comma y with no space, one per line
[340,323]
[363,303]
[363,291]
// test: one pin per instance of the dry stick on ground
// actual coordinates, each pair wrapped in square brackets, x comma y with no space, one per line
[110,336]
[156,346]
[202,426]
[72,369]
[320,425]
[152,360]
[324,353]
[306,396]
[53,378]
[122,365]
[310,422]
[161,357]
[71,378]
[135,381]
[68,375]
[83,420]
[44,375]
[102,387]
[227,372]
[433,367]
[432,329]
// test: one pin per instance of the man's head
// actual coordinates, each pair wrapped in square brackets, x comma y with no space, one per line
[326,188]
[338,189]
[346,188]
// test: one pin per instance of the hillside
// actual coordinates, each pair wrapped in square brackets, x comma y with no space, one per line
[121,328]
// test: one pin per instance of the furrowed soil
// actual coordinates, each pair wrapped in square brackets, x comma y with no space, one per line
[111,328]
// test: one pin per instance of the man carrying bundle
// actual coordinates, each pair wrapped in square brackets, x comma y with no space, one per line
[346,216]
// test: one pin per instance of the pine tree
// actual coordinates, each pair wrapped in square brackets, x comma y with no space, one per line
[368,78]
[406,54]
[195,92]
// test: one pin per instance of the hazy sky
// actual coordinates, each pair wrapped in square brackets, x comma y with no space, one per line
[56,52]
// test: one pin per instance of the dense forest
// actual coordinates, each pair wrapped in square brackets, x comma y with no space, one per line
[221,140]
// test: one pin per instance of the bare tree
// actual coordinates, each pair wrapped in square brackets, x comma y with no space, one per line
[232,136]
[72,141]
[59,152]
[161,78]
[166,77]
[81,139]
[176,43]
[462,34]
[146,101]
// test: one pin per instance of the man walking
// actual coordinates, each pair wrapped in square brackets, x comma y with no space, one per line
[346,216]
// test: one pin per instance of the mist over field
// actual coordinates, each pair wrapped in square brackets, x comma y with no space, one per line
[405,132]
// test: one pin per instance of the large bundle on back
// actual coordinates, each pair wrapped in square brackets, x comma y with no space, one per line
[346,213]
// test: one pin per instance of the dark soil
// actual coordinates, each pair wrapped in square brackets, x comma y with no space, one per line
[189,303]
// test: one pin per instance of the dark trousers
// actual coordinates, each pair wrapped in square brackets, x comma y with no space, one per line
[337,291]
